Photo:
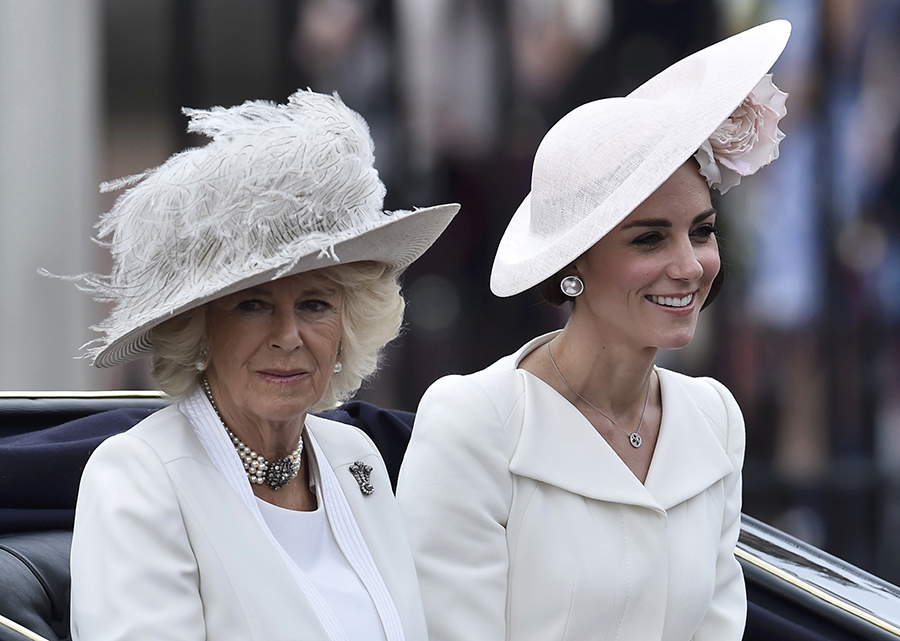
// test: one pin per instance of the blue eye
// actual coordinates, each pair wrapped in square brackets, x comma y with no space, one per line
[251,305]
[315,305]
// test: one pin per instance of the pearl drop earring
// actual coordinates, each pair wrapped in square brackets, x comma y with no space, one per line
[203,361]
[572,286]
[337,364]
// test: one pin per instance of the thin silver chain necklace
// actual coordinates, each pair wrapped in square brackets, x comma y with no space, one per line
[275,474]
[634,437]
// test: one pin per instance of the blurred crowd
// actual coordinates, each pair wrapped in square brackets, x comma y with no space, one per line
[458,93]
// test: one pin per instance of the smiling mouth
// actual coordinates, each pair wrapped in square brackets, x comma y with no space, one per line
[669,301]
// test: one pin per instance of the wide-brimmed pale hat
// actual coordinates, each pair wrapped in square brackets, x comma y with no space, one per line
[280,190]
[604,158]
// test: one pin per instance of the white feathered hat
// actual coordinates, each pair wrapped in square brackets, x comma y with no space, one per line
[280,190]
[604,158]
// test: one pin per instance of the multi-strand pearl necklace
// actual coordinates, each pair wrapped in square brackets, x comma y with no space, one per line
[276,474]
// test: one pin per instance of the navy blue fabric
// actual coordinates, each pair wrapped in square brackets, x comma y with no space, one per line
[389,430]
[40,471]
[774,618]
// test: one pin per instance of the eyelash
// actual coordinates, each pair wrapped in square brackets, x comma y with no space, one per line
[312,305]
[707,230]
[321,305]
[251,305]
[650,239]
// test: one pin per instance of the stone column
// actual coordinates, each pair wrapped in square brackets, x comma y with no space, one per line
[49,144]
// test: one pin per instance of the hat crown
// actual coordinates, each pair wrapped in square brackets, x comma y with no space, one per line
[586,156]
[273,176]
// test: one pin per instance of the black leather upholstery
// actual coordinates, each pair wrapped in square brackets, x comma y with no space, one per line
[774,618]
[34,583]
[28,414]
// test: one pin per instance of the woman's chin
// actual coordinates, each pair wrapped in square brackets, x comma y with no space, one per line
[281,409]
[677,341]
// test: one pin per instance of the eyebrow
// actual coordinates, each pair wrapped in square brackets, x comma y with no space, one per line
[252,291]
[664,222]
[320,291]
[311,291]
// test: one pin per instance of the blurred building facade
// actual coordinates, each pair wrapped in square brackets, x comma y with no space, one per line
[458,94]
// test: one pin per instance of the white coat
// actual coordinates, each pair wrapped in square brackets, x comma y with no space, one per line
[525,524]
[164,548]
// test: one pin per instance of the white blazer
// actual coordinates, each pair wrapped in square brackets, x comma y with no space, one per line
[526,525]
[164,548]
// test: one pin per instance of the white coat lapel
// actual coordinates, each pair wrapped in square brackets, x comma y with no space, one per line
[690,453]
[560,447]
[348,516]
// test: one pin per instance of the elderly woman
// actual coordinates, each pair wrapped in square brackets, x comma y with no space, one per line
[261,275]
[574,490]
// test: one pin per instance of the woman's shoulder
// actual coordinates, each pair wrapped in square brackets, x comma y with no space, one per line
[500,384]
[480,412]
[167,434]
[497,387]
[138,459]
[712,397]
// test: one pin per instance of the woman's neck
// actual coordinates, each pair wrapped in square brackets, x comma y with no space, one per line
[610,375]
[271,439]
[611,384]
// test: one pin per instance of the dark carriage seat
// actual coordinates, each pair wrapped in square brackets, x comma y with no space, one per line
[34,583]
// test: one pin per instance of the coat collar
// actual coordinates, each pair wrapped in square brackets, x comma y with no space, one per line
[207,426]
[560,447]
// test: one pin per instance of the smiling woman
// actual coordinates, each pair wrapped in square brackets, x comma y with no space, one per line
[261,275]
[646,280]
[574,490]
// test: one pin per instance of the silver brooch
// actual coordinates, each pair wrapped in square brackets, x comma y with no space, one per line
[361,473]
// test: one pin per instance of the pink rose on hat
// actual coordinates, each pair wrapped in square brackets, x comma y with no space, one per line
[747,140]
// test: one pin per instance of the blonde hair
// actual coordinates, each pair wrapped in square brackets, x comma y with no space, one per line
[371,312]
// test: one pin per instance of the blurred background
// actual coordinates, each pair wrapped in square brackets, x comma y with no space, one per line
[458,94]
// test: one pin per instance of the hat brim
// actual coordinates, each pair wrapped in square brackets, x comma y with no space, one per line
[712,82]
[397,242]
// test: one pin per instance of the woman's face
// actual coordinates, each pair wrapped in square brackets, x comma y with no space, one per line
[646,280]
[272,347]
